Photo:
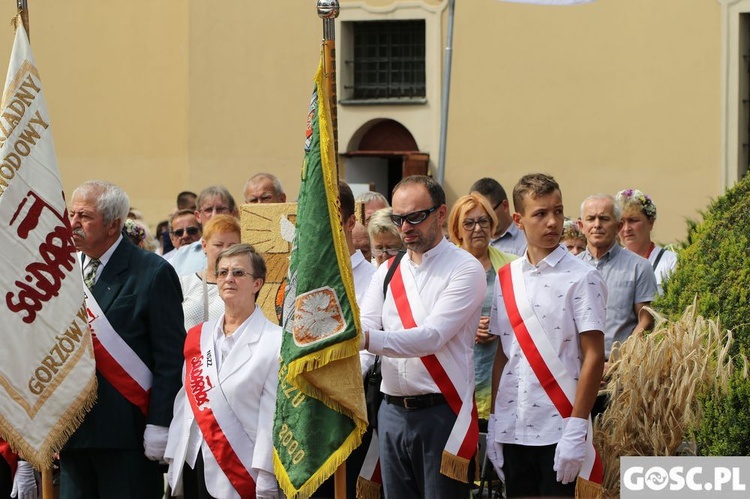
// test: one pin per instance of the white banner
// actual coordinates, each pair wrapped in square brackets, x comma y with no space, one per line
[47,370]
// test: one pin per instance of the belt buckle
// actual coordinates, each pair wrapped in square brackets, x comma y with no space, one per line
[408,401]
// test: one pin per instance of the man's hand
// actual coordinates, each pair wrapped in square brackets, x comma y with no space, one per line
[24,482]
[495,449]
[571,449]
[155,442]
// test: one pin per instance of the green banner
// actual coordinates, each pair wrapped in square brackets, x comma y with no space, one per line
[320,408]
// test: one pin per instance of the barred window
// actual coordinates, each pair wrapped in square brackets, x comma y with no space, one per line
[389,59]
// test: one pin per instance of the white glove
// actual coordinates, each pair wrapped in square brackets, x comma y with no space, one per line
[266,486]
[24,482]
[571,449]
[495,449]
[155,441]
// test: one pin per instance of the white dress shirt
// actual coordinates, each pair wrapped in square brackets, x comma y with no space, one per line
[569,297]
[104,259]
[363,272]
[451,285]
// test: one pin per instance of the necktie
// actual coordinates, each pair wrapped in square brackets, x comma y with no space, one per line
[89,277]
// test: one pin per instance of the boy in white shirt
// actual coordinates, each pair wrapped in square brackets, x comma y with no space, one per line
[549,312]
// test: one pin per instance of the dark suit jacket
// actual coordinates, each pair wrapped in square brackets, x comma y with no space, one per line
[140,294]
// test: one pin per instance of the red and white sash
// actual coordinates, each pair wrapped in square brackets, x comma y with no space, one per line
[219,425]
[115,360]
[370,481]
[549,369]
[450,378]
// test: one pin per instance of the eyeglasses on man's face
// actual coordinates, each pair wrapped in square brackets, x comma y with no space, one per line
[470,223]
[219,210]
[236,273]
[382,251]
[413,218]
[192,231]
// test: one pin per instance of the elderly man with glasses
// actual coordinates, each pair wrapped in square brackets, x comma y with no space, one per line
[423,328]
[214,200]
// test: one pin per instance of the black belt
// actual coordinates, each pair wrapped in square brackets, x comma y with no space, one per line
[417,401]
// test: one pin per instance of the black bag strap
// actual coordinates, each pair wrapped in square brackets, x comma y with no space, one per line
[392,270]
[658,257]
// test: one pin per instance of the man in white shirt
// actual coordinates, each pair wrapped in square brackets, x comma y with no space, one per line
[424,331]
[549,311]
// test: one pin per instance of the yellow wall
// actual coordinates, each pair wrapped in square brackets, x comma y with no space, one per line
[159,97]
[604,96]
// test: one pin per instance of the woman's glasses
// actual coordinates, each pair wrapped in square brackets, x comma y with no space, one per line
[470,223]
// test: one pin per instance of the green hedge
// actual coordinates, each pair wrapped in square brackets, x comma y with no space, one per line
[715,267]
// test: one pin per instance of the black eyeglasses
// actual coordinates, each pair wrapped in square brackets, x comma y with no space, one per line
[236,273]
[470,223]
[414,218]
[192,231]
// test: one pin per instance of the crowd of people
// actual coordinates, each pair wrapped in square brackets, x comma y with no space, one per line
[480,302]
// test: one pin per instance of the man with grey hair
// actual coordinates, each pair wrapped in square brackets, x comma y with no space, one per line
[372,201]
[133,296]
[264,188]
[629,277]
[214,200]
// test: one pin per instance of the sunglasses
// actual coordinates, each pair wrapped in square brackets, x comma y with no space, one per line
[414,218]
[192,231]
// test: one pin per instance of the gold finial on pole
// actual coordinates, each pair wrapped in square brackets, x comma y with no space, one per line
[328,10]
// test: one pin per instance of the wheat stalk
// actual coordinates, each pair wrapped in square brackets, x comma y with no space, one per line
[655,381]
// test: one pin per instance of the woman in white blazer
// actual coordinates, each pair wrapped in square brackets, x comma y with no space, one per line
[230,380]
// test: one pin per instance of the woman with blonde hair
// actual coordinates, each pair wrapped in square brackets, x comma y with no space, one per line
[200,293]
[385,240]
[471,223]
[638,217]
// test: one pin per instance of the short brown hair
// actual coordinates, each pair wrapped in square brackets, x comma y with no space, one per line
[534,185]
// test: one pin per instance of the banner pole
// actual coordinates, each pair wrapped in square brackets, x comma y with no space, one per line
[328,10]
[23,11]
[48,489]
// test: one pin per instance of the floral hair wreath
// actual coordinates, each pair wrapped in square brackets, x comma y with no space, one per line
[571,230]
[634,196]
[133,230]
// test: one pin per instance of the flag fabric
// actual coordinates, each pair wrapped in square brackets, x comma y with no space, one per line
[47,370]
[320,407]
[549,2]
